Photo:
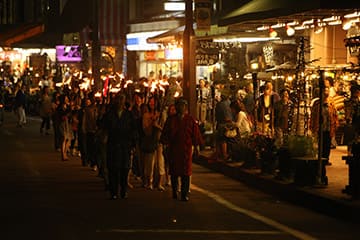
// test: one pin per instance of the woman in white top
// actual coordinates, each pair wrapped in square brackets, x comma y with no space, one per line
[241,119]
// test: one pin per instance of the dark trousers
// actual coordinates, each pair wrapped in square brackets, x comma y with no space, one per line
[90,149]
[326,147]
[185,185]
[118,177]
[45,123]
[75,138]
[57,135]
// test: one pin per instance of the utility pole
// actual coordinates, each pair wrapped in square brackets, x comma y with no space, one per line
[189,84]
[95,48]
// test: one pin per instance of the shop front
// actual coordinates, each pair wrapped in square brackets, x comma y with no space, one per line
[323,67]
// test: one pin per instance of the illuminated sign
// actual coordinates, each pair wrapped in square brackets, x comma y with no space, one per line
[137,41]
[68,53]
[174,54]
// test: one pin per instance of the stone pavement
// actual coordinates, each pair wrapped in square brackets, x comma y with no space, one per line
[329,200]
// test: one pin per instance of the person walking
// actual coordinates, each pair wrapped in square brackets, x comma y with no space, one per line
[45,110]
[20,102]
[63,112]
[2,104]
[330,122]
[122,136]
[182,136]
[89,127]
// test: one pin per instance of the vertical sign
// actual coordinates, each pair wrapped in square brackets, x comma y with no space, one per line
[203,14]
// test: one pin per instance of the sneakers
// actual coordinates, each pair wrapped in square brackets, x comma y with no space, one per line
[161,188]
[184,198]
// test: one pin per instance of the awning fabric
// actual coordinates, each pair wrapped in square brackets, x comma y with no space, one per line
[111,22]
[168,36]
[264,9]
[19,33]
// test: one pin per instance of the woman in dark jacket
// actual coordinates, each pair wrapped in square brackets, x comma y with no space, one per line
[122,136]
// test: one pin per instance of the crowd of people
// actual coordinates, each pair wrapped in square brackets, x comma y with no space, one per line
[154,138]
[120,135]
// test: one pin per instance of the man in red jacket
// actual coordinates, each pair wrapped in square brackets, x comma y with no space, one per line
[181,135]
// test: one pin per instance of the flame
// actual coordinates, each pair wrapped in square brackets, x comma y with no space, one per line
[127,83]
[164,83]
[115,90]
[153,87]
[98,94]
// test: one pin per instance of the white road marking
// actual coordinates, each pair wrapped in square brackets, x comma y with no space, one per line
[254,215]
[241,232]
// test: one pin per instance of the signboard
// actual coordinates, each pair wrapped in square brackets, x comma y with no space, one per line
[68,53]
[353,44]
[203,14]
[207,53]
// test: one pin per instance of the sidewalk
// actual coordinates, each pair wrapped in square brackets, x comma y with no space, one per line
[328,200]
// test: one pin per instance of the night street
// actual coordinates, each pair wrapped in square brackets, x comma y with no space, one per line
[45,198]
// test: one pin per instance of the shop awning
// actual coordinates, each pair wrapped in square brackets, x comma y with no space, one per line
[176,34]
[17,33]
[264,9]
[168,36]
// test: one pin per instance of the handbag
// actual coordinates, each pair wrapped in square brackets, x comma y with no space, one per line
[230,132]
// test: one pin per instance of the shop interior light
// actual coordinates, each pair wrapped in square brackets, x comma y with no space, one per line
[262,28]
[347,25]
[254,65]
[290,31]
[272,33]
[244,39]
[174,6]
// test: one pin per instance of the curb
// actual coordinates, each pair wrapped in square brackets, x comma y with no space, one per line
[303,196]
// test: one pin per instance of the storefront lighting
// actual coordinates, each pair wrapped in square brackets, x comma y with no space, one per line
[273,33]
[331,19]
[262,28]
[318,30]
[301,27]
[352,15]
[254,65]
[293,23]
[174,6]
[290,31]
[279,25]
[347,25]
[307,22]
[243,39]
[336,22]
